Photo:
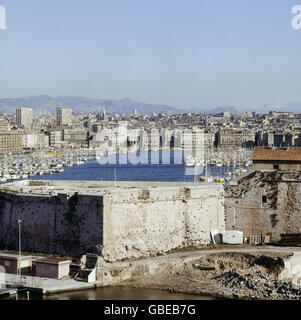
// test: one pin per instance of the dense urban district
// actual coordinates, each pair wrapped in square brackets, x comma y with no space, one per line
[23,130]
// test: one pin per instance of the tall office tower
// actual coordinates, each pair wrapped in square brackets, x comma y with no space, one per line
[63,116]
[24,117]
[104,113]
[101,115]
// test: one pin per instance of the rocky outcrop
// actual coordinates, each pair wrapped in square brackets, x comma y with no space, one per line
[226,274]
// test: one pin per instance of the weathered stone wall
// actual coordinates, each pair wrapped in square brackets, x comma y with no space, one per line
[147,221]
[281,213]
[282,166]
[119,221]
[64,224]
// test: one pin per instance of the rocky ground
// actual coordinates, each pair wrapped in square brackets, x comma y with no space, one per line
[256,285]
[232,275]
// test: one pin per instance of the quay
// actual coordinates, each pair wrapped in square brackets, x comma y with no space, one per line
[45,286]
[7,292]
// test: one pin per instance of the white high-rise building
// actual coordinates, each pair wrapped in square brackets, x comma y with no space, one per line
[63,116]
[24,117]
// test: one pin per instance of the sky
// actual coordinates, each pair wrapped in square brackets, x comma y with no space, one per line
[187,54]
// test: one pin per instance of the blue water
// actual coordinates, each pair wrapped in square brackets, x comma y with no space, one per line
[93,170]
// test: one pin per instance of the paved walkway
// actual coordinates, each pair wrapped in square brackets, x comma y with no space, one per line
[259,249]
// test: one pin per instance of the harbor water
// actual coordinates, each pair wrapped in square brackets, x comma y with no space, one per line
[114,294]
[167,169]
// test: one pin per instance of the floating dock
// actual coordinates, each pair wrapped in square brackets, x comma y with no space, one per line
[46,286]
[4,293]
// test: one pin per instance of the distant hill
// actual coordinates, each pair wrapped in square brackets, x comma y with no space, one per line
[126,105]
[83,104]
[292,107]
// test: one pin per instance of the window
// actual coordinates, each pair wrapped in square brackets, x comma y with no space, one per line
[276,166]
[264,199]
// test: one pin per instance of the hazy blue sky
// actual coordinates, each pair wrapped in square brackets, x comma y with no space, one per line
[189,54]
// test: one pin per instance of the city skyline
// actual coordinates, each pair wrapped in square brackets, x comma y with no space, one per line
[195,55]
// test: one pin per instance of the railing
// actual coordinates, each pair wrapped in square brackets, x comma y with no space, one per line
[26,281]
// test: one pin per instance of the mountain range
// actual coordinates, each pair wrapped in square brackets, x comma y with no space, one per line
[125,106]
[83,104]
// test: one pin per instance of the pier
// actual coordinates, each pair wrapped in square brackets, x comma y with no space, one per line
[44,286]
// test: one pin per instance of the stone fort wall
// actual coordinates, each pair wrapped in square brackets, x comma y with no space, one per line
[268,202]
[117,220]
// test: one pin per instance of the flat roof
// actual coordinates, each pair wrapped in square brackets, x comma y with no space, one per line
[92,188]
[13,256]
[53,261]
[277,154]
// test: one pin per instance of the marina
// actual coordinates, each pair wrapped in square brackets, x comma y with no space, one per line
[217,166]
[142,167]
[38,163]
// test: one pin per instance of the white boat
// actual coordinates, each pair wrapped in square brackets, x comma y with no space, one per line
[248,163]
[219,163]
[189,160]
[209,179]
